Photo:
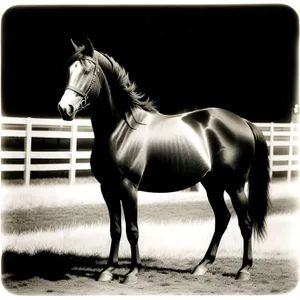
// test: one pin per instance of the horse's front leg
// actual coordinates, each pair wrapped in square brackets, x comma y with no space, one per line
[114,207]
[129,201]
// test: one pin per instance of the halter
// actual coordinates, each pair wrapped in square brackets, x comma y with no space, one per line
[85,95]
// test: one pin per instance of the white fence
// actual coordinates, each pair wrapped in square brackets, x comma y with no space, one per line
[282,140]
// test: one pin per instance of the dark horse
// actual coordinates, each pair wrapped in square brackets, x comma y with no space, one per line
[138,148]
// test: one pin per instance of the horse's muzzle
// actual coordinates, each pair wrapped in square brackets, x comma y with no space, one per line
[66,113]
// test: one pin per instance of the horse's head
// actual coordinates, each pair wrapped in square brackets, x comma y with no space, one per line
[83,83]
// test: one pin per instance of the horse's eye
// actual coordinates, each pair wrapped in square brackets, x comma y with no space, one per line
[86,71]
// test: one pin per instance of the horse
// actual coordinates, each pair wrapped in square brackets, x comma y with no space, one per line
[138,148]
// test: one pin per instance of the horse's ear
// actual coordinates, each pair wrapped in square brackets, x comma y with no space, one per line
[76,48]
[88,48]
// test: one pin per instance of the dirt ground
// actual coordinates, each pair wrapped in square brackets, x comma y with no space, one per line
[56,277]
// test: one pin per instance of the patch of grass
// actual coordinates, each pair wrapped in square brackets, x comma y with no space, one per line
[87,191]
[19,221]
[159,240]
[47,181]
[22,197]
[22,220]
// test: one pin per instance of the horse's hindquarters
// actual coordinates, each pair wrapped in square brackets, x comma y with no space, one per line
[229,140]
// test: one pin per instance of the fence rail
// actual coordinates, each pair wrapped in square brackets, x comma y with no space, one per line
[282,140]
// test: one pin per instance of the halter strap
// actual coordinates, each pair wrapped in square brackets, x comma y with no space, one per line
[77,90]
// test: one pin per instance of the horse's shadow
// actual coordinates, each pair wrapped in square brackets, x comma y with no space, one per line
[43,264]
[54,267]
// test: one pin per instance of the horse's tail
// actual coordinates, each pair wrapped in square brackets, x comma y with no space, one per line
[259,179]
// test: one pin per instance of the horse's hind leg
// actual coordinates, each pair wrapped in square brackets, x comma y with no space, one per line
[241,206]
[215,194]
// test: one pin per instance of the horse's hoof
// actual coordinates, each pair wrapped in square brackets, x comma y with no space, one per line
[243,275]
[130,279]
[106,276]
[200,270]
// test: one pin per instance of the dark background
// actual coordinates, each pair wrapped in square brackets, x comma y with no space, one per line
[241,58]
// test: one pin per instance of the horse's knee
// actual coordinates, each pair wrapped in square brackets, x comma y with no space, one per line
[132,234]
[115,233]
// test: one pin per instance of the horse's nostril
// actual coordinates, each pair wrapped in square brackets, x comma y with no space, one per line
[67,111]
[71,108]
[59,108]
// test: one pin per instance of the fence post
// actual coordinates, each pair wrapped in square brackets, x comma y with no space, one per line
[271,152]
[73,149]
[1,150]
[289,171]
[27,152]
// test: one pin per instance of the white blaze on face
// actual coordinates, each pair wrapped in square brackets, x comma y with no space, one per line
[70,100]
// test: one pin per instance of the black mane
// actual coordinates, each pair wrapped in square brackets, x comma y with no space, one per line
[126,91]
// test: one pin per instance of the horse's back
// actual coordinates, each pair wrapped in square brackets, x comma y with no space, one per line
[221,120]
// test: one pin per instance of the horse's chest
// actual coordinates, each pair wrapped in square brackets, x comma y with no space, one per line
[131,157]
[119,160]
[103,165]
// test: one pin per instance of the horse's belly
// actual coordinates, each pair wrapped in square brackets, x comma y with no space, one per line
[168,173]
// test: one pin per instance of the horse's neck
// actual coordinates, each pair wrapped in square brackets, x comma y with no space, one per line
[106,121]
[105,116]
